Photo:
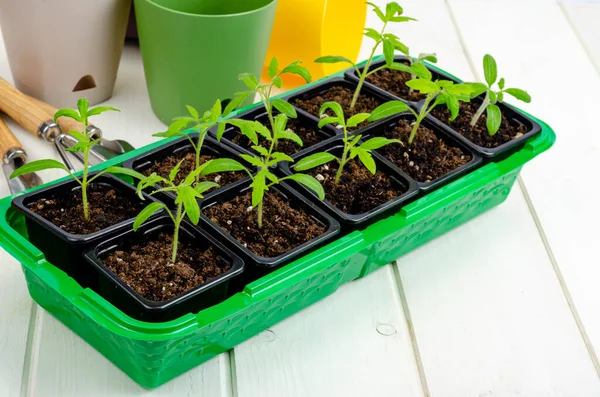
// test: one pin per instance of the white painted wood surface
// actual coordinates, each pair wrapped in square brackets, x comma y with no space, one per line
[513,322]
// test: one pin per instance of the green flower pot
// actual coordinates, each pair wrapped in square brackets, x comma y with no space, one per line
[194,50]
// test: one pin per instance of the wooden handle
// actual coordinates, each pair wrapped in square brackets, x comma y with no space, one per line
[66,124]
[21,108]
[8,140]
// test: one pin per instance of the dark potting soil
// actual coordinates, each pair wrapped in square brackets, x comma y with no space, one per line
[343,96]
[309,137]
[509,129]
[358,190]
[283,229]
[146,267]
[164,166]
[107,207]
[394,82]
[428,158]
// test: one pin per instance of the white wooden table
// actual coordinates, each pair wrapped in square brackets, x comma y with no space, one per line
[506,305]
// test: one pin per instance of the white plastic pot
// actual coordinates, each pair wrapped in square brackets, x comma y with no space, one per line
[61,50]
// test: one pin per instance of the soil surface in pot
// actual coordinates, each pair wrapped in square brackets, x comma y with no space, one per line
[107,207]
[164,166]
[310,136]
[358,191]
[146,267]
[283,229]
[509,129]
[428,158]
[394,82]
[343,96]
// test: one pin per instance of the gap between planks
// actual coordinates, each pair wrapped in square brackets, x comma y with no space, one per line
[532,211]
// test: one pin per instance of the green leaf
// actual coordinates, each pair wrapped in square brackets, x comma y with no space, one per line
[420,70]
[290,135]
[357,119]
[260,150]
[246,127]
[252,160]
[215,112]
[423,86]
[310,183]
[281,157]
[401,19]
[259,187]
[429,57]
[280,123]
[38,165]
[146,213]
[494,119]
[335,107]
[101,109]
[262,130]
[373,34]
[329,120]
[238,99]
[285,108]
[175,170]
[500,96]
[273,67]
[278,82]
[223,165]
[477,89]
[378,142]
[493,97]
[334,59]
[453,106]
[393,9]
[519,94]
[83,106]
[490,69]
[70,113]
[250,80]
[367,160]
[79,136]
[388,109]
[78,147]
[125,171]
[187,195]
[461,89]
[175,128]
[400,46]
[388,52]
[298,70]
[377,11]
[193,112]
[501,83]
[272,177]
[314,160]
[401,67]
[202,187]
[220,130]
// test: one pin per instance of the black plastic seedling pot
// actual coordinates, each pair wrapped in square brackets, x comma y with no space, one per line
[117,292]
[380,127]
[322,88]
[60,247]
[256,264]
[260,114]
[182,146]
[360,221]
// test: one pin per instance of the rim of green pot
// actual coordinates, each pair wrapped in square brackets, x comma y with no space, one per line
[189,14]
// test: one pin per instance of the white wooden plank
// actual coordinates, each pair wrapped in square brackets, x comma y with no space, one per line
[353,343]
[583,17]
[489,314]
[543,55]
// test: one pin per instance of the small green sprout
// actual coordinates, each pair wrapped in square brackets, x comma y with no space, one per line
[265,90]
[187,193]
[430,57]
[439,92]
[267,158]
[351,147]
[84,145]
[393,13]
[201,124]
[492,96]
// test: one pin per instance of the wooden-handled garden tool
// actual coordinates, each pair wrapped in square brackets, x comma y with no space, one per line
[37,118]
[13,156]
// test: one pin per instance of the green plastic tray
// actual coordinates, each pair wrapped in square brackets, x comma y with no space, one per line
[154,353]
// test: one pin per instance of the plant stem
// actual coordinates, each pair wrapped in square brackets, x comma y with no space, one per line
[86,155]
[259,210]
[178,220]
[198,150]
[365,71]
[424,112]
[481,109]
[338,174]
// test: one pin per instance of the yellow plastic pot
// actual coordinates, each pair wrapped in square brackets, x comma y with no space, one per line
[308,29]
